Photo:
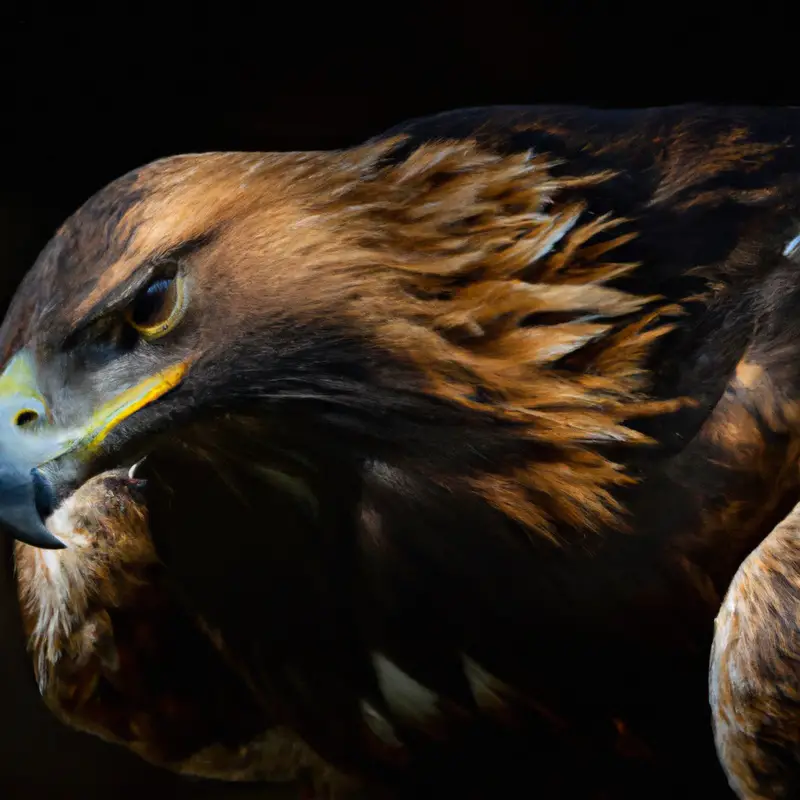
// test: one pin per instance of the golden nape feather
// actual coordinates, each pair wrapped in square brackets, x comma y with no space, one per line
[455,441]
[116,656]
[460,255]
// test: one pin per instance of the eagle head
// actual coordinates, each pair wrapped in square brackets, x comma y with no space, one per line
[396,310]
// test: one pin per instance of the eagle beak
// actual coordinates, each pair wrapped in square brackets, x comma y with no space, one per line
[25,442]
[25,498]
[29,440]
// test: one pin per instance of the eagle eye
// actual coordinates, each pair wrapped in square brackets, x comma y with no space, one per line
[158,307]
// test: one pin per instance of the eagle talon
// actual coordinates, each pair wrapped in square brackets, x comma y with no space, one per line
[135,467]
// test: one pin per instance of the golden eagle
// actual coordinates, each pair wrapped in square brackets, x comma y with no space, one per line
[455,440]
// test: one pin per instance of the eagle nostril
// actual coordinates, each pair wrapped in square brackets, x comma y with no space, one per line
[25,417]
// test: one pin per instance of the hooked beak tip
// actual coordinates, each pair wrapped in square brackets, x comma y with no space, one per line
[26,499]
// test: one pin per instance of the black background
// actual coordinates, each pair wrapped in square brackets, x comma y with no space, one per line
[89,93]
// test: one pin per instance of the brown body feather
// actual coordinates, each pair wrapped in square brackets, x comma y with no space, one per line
[501,401]
[116,656]
[755,670]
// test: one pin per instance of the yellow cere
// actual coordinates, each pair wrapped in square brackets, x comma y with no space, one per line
[19,378]
[110,414]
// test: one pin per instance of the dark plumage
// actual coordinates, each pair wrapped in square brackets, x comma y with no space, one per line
[458,437]
[117,656]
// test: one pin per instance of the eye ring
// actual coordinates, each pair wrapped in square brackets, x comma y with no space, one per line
[159,307]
